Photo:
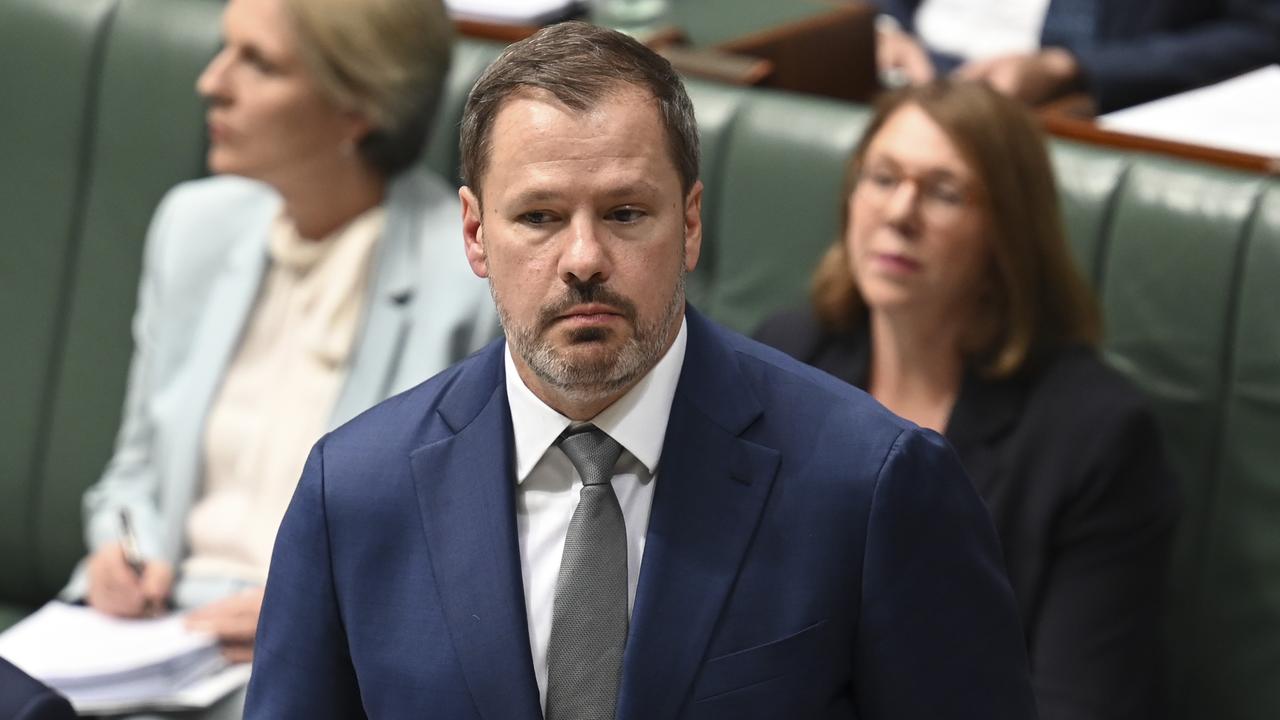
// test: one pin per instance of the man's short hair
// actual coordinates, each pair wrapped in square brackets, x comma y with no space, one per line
[580,64]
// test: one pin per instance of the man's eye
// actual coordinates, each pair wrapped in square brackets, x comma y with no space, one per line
[536,217]
[626,215]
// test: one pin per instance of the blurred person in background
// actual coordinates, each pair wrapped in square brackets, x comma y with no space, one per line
[951,298]
[1120,53]
[318,273]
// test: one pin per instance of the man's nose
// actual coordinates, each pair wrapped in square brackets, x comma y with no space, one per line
[585,257]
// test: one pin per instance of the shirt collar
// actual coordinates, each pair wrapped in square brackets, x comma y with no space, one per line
[637,420]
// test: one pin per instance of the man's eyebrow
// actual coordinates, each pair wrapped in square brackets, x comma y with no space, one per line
[533,196]
[640,187]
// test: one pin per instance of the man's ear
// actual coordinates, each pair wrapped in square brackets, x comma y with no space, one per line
[473,232]
[693,226]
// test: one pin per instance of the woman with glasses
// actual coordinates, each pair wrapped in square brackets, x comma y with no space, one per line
[951,297]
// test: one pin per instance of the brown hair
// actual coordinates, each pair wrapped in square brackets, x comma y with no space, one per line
[579,64]
[1037,298]
[386,59]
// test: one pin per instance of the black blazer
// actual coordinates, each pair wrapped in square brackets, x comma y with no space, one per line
[25,698]
[1069,461]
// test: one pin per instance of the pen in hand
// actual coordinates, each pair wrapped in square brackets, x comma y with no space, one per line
[133,557]
[129,544]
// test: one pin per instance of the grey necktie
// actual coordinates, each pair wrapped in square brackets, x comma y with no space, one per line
[589,621]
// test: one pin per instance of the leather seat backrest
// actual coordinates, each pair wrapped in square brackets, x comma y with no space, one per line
[49,52]
[149,134]
[1089,179]
[1225,631]
[775,208]
[716,107]
[470,58]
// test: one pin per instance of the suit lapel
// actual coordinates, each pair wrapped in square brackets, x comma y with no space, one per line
[712,486]
[386,316]
[222,323]
[466,487]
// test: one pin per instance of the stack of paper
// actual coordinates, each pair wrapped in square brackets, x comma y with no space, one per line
[1239,114]
[105,664]
[512,12]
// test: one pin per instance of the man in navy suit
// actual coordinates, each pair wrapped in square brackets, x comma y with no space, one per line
[766,542]
[1121,53]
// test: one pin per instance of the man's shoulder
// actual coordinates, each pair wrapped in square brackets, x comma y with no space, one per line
[789,389]
[429,411]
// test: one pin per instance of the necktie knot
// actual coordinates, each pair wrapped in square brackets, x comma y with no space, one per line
[592,452]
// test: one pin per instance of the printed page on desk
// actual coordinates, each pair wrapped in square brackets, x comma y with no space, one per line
[106,664]
[1238,114]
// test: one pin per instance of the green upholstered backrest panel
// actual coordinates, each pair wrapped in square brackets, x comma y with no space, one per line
[1229,667]
[716,107]
[149,135]
[48,55]
[1173,257]
[1089,179]
[470,58]
[777,201]
[11,613]
[1173,262]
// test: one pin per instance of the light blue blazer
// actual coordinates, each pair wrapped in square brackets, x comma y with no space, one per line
[206,257]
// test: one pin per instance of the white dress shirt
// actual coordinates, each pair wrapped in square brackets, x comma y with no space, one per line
[547,485]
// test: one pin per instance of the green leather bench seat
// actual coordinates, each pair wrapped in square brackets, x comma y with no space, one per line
[153,53]
[776,183]
[1183,255]
[49,50]
[1230,550]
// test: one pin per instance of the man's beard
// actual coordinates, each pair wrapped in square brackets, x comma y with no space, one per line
[592,378]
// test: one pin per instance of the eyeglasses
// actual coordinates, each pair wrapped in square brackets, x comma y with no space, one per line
[939,198]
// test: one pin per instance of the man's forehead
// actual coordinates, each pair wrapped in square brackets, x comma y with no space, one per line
[622,94]
[536,127]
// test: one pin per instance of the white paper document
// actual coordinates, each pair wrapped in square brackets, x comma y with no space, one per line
[106,664]
[1240,114]
[514,12]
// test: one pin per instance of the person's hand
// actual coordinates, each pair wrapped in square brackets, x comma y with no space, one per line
[115,588]
[233,621]
[901,59]
[1032,78]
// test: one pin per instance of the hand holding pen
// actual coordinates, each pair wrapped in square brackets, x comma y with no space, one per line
[122,582]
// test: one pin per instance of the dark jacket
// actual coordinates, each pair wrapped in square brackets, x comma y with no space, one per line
[25,698]
[808,555]
[1145,49]
[1069,461]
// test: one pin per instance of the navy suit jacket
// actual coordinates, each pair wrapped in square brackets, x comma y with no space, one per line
[22,697]
[1145,49]
[808,555]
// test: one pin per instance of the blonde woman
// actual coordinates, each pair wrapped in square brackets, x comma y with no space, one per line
[319,272]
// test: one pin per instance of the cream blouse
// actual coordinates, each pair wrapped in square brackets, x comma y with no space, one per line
[277,395]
